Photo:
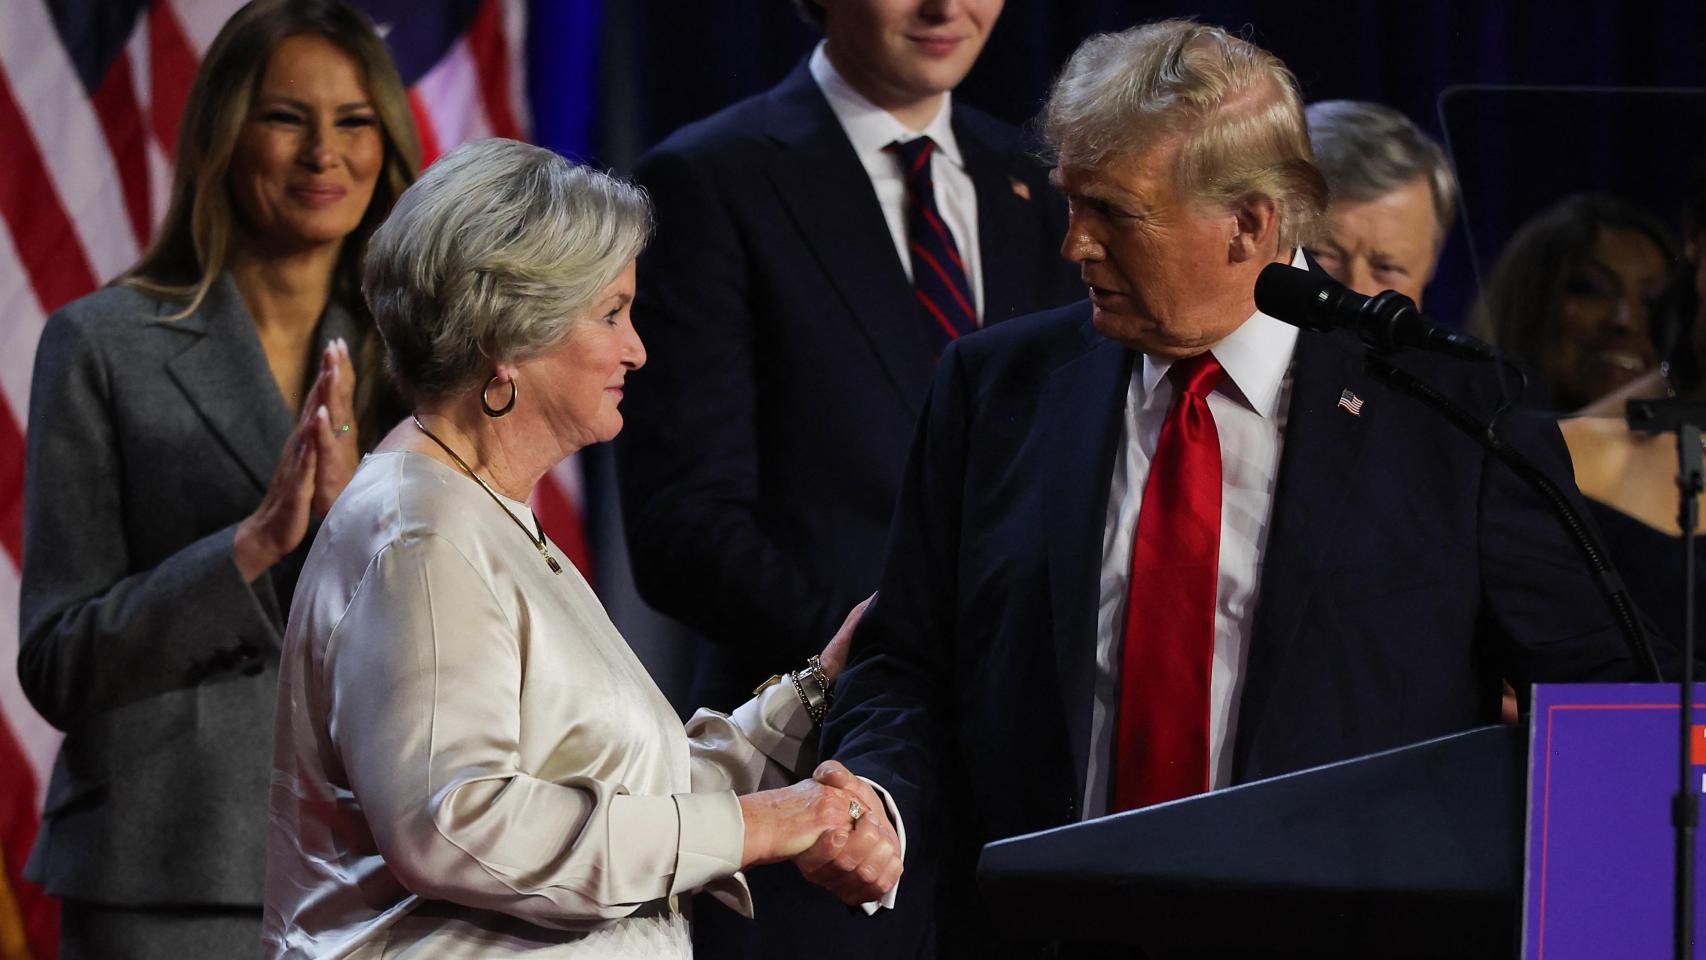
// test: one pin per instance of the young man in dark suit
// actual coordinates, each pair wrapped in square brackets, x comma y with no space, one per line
[818,247]
[1160,542]
[793,316]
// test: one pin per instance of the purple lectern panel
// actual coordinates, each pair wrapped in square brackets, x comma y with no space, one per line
[1602,770]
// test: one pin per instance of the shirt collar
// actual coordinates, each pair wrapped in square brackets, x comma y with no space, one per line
[870,127]
[1255,357]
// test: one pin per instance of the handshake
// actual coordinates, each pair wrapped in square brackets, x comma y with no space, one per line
[832,826]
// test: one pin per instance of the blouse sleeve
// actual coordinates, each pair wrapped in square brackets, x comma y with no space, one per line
[423,678]
[767,742]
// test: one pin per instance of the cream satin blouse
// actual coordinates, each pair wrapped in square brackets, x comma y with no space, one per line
[469,759]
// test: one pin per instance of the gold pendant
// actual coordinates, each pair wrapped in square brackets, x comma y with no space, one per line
[552,562]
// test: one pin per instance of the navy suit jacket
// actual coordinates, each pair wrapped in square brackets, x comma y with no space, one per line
[1405,575]
[787,364]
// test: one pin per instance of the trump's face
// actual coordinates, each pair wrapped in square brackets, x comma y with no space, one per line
[1387,243]
[1158,264]
[901,52]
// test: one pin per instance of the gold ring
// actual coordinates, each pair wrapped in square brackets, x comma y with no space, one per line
[854,810]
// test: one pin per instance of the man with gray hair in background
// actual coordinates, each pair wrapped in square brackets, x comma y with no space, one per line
[1392,197]
[1159,542]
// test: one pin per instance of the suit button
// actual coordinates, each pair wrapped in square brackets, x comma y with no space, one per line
[248,660]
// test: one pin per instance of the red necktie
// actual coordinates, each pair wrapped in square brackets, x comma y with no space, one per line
[1161,743]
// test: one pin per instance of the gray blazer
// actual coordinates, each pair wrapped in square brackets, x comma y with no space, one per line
[149,440]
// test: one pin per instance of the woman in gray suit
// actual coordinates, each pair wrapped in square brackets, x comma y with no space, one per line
[187,423]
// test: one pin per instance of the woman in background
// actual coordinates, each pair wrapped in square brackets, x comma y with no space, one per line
[1572,298]
[1629,478]
[186,425]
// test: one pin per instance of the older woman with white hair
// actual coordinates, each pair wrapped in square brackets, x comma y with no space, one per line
[470,761]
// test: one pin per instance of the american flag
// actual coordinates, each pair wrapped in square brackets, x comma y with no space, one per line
[1350,403]
[90,96]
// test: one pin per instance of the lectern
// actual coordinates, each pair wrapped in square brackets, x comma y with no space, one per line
[1415,852]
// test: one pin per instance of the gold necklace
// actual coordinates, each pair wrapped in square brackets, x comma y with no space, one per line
[538,540]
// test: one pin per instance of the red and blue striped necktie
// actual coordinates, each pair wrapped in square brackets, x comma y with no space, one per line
[939,280]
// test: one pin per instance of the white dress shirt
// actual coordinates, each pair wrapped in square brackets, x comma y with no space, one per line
[1249,410]
[871,128]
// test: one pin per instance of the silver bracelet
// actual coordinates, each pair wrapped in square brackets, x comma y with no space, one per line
[814,667]
[817,711]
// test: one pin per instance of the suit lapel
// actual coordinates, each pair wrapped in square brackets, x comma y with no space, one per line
[1318,466]
[825,189]
[1081,409]
[224,375]
[1005,223]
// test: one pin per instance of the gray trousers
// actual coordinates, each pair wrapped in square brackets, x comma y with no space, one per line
[94,931]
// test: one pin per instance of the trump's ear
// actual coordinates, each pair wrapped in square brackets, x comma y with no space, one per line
[1256,226]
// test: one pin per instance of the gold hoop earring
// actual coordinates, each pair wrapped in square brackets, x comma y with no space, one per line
[486,405]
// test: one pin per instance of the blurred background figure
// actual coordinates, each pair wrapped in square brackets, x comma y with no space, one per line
[186,423]
[1629,478]
[1572,298]
[1392,197]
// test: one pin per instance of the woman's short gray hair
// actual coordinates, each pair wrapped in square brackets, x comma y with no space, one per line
[1235,105]
[488,257]
[1368,150]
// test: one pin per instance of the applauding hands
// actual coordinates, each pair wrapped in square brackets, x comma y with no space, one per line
[333,400]
[319,458]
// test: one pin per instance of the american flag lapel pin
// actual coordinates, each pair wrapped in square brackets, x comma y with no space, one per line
[1350,403]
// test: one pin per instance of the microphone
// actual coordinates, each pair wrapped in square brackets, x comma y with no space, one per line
[1385,321]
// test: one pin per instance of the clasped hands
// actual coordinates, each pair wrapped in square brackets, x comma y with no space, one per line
[812,824]
[318,459]
[856,858]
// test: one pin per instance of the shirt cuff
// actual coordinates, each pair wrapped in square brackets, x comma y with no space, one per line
[777,724]
[887,900]
[711,840]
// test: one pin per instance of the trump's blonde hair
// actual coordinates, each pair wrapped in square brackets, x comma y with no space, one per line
[1233,106]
